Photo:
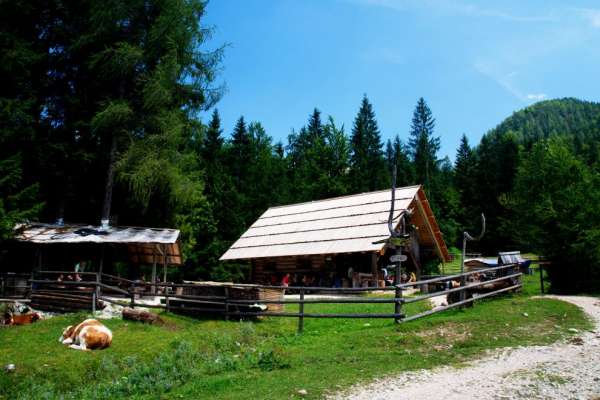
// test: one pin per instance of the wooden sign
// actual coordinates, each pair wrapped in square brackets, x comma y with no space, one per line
[398,258]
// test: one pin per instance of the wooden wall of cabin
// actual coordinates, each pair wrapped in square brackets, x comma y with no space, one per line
[321,265]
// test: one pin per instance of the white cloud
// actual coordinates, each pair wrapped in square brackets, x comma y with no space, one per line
[508,81]
[537,96]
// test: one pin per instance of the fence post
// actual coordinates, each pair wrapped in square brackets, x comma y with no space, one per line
[132,296]
[226,303]
[398,304]
[97,284]
[167,298]
[541,267]
[301,312]
[94,303]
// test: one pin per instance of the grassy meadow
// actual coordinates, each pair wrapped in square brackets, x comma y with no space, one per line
[266,359]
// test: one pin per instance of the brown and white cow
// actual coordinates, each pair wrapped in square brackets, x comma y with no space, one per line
[88,335]
[22,319]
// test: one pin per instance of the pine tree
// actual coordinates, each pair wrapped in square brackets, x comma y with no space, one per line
[465,182]
[397,154]
[310,160]
[240,152]
[424,146]
[315,127]
[213,141]
[463,164]
[337,158]
[367,166]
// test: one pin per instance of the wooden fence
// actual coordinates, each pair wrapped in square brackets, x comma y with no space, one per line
[47,291]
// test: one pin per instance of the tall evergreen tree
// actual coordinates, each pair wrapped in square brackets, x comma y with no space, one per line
[213,141]
[465,182]
[315,127]
[397,154]
[240,151]
[112,94]
[310,160]
[367,166]
[424,146]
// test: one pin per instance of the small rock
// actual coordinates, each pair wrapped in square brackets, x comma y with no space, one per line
[577,341]
[9,367]
[525,314]
[573,330]
[302,392]
[367,324]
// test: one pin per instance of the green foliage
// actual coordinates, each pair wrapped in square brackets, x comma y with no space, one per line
[89,90]
[556,207]
[17,204]
[424,146]
[367,166]
[499,152]
[398,154]
[465,182]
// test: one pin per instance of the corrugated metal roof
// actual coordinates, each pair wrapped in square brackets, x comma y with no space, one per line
[50,233]
[339,225]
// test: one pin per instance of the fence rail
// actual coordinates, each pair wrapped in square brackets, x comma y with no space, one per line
[493,281]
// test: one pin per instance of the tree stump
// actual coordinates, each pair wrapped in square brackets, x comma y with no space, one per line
[142,316]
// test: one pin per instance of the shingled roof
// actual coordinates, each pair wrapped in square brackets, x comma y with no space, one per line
[339,225]
[141,241]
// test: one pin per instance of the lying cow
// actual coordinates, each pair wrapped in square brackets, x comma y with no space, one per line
[23,319]
[88,335]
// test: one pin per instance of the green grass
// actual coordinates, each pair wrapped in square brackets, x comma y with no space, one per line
[267,359]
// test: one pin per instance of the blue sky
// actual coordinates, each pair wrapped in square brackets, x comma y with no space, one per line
[474,62]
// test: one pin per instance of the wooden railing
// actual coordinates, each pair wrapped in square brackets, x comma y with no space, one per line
[496,280]
[14,286]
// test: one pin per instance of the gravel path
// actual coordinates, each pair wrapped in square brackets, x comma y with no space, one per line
[560,371]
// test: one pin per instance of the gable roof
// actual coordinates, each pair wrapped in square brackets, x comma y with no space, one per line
[338,225]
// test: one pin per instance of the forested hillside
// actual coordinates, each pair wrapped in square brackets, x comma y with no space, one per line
[500,151]
[540,170]
[99,119]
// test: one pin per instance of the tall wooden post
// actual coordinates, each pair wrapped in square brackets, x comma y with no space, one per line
[541,266]
[301,312]
[100,268]
[374,271]
[165,260]
[153,287]
[226,303]
[398,304]
[462,268]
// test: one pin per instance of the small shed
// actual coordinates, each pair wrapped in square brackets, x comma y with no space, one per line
[133,245]
[327,239]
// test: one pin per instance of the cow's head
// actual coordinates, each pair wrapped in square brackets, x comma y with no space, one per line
[67,333]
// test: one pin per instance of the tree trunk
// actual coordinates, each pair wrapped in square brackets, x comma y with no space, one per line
[110,176]
[142,316]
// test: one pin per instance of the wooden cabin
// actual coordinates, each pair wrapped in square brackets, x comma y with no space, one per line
[338,241]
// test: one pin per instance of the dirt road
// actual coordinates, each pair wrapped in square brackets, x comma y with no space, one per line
[560,371]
